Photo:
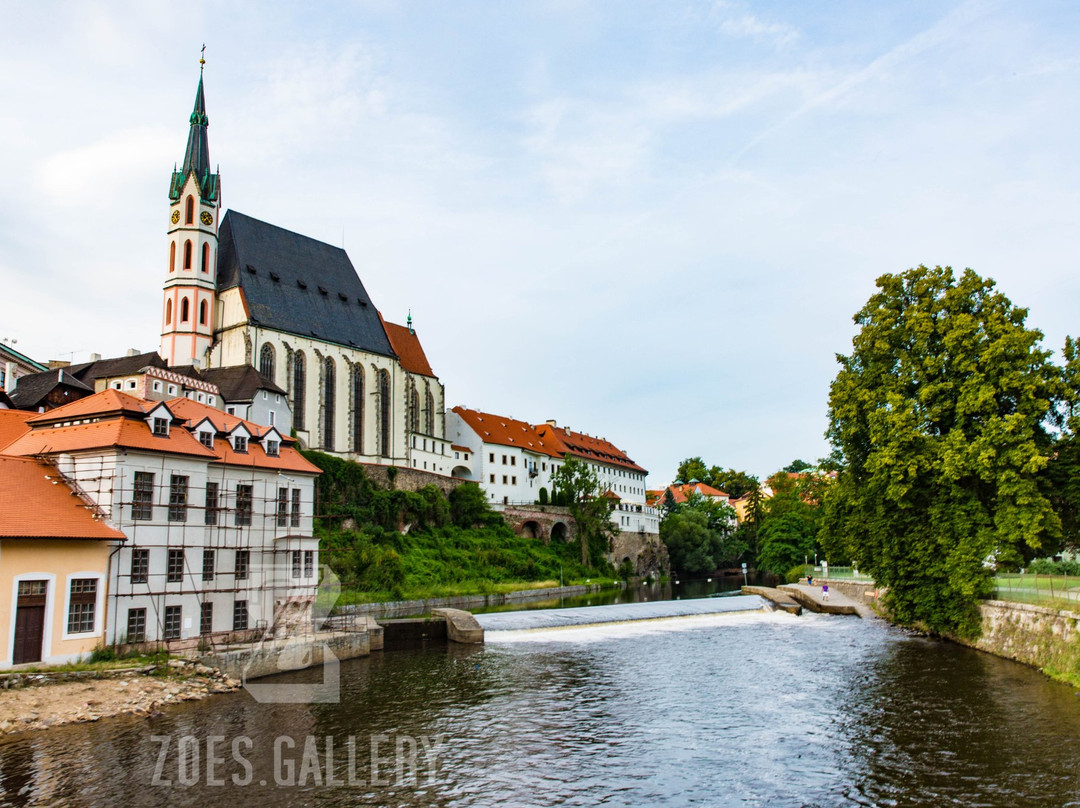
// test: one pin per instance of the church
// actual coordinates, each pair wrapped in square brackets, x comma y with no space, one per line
[239,291]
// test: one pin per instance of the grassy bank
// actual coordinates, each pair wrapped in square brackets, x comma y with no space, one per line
[387,544]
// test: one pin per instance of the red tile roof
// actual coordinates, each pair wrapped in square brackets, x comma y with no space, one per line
[124,433]
[587,447]
[107,402]
[32,506]
[457,448]
[681,492]
[408,348]
[115,419]
[288,459]
[13,424]
[505,431]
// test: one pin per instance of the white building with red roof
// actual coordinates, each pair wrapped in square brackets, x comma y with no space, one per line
[216,510]
[512,460]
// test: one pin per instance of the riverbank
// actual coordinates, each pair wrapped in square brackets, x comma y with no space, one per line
[49,699]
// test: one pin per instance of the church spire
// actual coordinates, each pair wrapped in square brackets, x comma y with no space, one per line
[197,154]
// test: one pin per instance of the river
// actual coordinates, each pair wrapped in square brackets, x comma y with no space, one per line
[740,709]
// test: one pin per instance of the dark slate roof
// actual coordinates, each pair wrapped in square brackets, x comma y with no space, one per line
[299,285]
[239,383]
[31,390]
[90,372]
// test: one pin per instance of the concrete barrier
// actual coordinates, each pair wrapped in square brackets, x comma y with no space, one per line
[295,653]
[461,626]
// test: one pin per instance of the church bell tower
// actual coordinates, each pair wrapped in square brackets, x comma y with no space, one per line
[187,316]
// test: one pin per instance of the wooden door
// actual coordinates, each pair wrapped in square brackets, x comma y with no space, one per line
[30,621]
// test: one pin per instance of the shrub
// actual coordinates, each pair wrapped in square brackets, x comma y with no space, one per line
[799,571]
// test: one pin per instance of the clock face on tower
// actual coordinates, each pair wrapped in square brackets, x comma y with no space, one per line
[206,218]
[175,217]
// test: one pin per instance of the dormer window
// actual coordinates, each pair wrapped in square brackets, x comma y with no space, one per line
[206,439]
[161,427]
[240,444]
[273,448]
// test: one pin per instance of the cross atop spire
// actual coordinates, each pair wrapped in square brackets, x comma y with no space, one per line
[197,154]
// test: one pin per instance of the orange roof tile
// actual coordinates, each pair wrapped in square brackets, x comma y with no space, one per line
[460,448]
[587,447]
[288,459]
[680,492]
[107,402]
[408,348]
[13,424]
[32,506]
[505,431]
[124,433]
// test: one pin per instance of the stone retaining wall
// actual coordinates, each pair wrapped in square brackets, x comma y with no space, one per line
[407,479]
[1046,638]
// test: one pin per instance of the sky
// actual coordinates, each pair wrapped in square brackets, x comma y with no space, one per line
[652,222]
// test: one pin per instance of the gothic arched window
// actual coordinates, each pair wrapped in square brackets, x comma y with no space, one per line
[299,389]
[429,411]
[202,313]
[172,257]
[185,310]
[206,256]
[358,409]
[384,413]
[187,254]
[189,214]
[414,408]
[266,361]
[168,312]
[329,384]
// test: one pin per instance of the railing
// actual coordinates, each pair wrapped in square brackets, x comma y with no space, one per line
[1062,591]
[845,573]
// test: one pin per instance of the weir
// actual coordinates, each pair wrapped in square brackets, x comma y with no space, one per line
[617,613]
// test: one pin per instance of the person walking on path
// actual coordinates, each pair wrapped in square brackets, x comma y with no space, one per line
[824,591]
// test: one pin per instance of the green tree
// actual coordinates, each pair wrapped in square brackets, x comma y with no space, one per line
[733,483]
[668,505]
[790,524]
[580,488]
[469,506]
[693,468]
[700,535]
[797,466]
[939,415]
[1062,475]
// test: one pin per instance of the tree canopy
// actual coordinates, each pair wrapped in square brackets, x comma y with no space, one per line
[700,535]
[731,482]
[579,486]
[940,418]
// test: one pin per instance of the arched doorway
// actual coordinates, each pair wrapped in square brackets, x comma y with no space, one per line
[532,530]
[559,532]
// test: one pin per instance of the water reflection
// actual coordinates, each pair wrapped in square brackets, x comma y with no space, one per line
[751,709]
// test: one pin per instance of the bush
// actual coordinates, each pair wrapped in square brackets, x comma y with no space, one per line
[103,653]
[1047,566]
[543,499]
[800,571]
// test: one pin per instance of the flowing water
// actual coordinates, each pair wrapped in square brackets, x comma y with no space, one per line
[740,708]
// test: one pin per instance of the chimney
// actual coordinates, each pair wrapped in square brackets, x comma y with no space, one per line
[132,352]
[551,422]
[95,357]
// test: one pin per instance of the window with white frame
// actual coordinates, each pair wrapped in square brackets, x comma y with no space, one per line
[82,605]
